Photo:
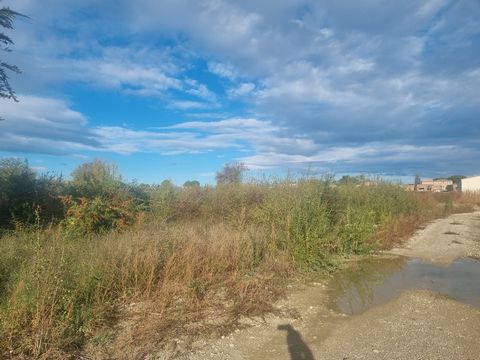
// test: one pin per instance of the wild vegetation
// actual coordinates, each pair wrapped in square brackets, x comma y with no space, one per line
[94,260]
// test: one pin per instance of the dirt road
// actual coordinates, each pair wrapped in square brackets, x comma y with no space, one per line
[397,314]
[445,240]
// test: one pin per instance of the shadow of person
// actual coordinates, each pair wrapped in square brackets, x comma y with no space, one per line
[296,346]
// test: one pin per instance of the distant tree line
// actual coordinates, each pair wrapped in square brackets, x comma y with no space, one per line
[95,198]
[28,198]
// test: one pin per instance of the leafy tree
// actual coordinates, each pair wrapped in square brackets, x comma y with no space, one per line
[191,183]
[96,178]
[101,202]
[163,198]
[456,178]
[231,173]
[351,180]
[24,195]
[17,190]
[7,18]
[139,193]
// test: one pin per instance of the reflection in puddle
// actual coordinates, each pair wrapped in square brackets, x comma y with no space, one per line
[374,281]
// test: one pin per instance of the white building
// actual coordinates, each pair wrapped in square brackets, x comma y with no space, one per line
[471,184]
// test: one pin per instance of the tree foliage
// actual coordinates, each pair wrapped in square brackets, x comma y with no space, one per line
[96,178]
[95,200]
[163,198]
[456,178]
[352,180]
[191,183]
[231,173]
[17,189]
[7,18]
[25,195]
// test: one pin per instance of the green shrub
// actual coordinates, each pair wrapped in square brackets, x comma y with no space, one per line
[163,198]
[17,191]
[356,230]
[97,215]
[26,198]
[301,219]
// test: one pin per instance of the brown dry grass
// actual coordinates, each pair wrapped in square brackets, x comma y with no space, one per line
[208,280]
[433,206]
[139,288]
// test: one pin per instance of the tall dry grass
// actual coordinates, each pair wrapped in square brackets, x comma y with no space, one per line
[57,293]
[226,251]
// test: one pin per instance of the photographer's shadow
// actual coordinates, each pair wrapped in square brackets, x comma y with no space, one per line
[297,348]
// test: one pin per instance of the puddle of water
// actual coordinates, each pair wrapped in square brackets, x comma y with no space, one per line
[374,281]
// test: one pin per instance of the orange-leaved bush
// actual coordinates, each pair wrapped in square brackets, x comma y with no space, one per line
[97,215]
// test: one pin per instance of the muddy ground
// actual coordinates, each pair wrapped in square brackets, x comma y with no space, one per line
[376,320]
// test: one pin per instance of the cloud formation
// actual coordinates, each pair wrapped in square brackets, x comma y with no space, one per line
[371,86]
[44,125]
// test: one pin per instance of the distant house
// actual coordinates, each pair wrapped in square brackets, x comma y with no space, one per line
[409,187]
[431,185]
[440,185]
[470,184]
[425,185]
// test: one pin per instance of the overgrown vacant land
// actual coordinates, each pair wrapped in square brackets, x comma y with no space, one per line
[96,261]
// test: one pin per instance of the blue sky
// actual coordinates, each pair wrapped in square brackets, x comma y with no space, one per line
[176,88]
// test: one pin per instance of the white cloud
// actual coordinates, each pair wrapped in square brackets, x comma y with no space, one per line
[50,126]
[43,125]
[124,75]
[189,137]
[128,141]
[303,82]
[142,71]
[356,65]
[227,125]
[430,7]
[189,105]
[242,90]
[370,157]
[200,90]
[222,70]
